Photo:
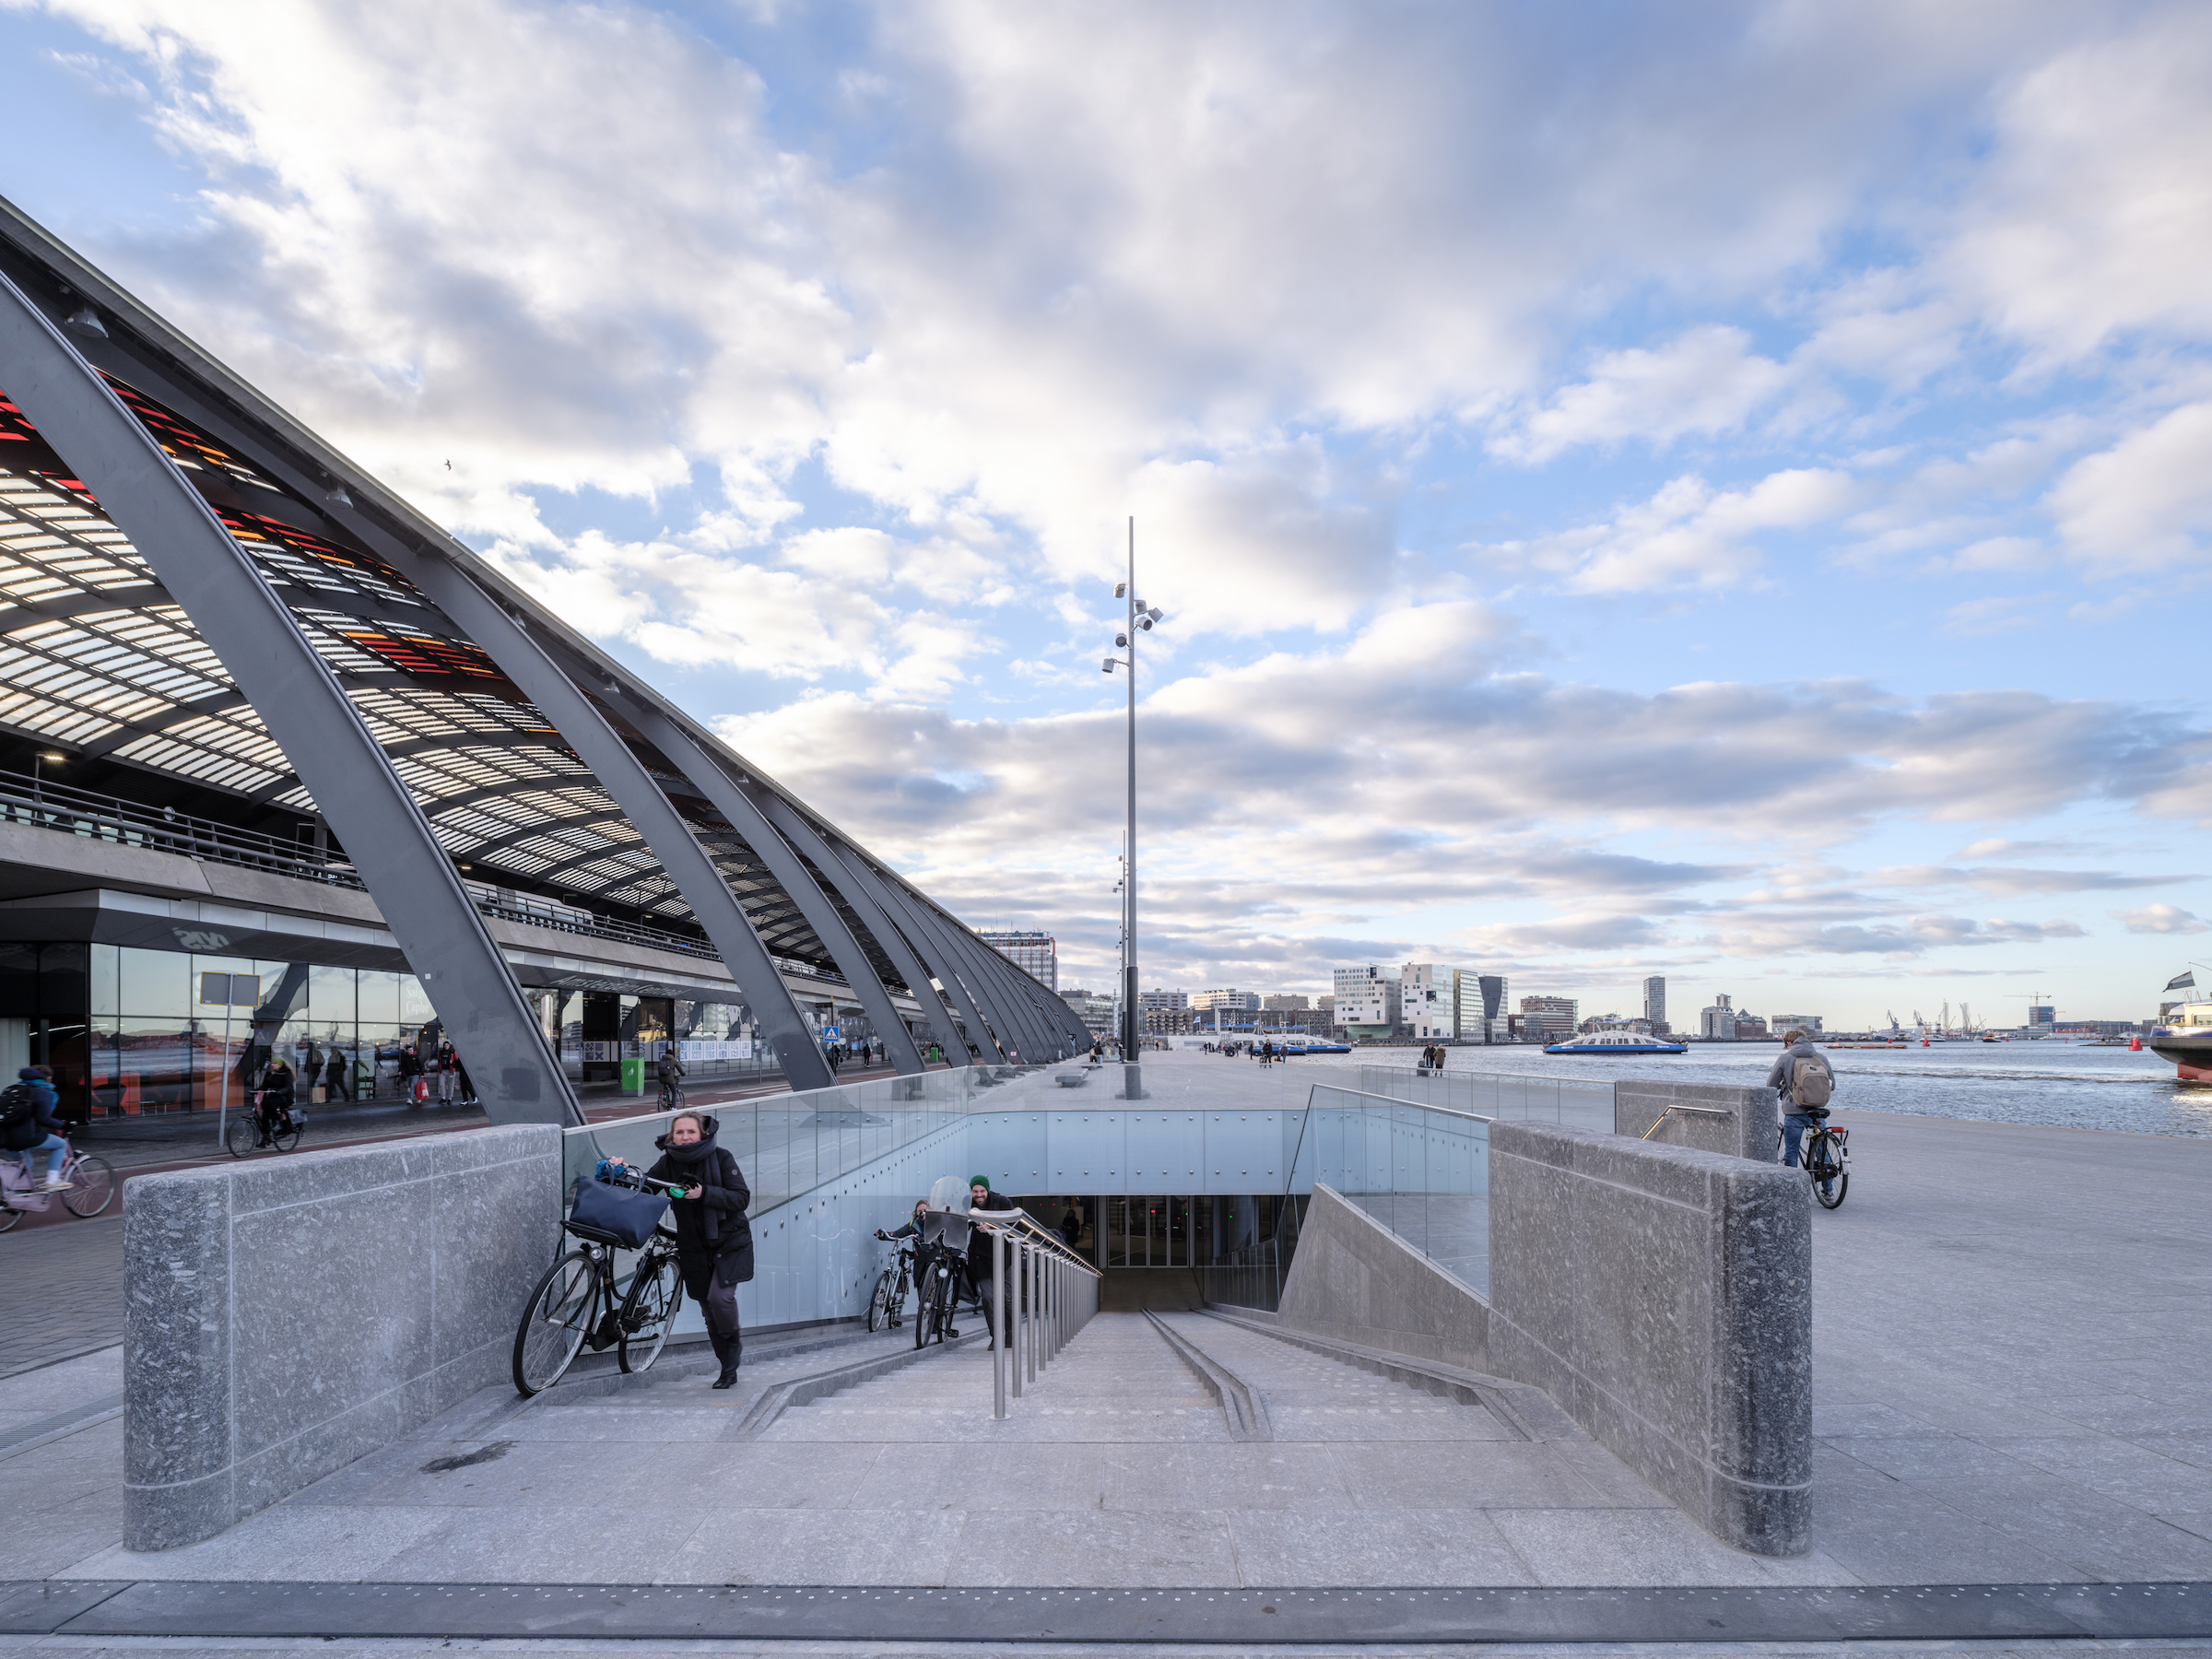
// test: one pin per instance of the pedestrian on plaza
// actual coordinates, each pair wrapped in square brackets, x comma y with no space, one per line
[310,1071]
[668,1070]
[337,1076]
[410,1069]
[445,1071]
[32,1123]
[714,1240]
[980,1197]
[1071,1227]
[1804,1082]
[462,1079]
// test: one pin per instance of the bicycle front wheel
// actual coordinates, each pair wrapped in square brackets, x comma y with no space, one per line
[925,1305]
[93,1189]
[239,1136]
[879,1301]
[655,1292]
[9,1216]
[554,1322]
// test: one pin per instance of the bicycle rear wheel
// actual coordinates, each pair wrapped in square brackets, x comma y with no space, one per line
[655,1292]
[554,1322]
[238,1135]
[285,1136]
[879,1301]
[9,1216]
[94,1187]
[1830,1179]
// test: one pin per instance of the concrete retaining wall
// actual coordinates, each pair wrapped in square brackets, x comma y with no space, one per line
[1356,1281]
[1663,1296]
[1746,1132]
[287,1315]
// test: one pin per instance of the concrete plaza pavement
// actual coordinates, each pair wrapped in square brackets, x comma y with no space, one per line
[2009,1330]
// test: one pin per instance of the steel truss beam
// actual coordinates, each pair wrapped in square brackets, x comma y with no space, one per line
[709,778]
[803,836]
[926,939]
[302,707]
[624,777]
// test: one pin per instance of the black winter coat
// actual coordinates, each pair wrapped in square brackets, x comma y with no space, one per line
[979,1242]
[713,1225]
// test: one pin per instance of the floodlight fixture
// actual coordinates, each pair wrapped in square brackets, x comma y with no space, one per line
[1121,590]
[1122,640]
[86,321]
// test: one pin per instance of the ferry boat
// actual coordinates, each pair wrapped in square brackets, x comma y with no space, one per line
[1616,1043]
[2183,1033]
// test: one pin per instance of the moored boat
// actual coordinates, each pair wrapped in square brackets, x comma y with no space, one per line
[1616,1043]
[2183,1033]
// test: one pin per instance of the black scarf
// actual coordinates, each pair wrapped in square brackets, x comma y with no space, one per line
[695,1163]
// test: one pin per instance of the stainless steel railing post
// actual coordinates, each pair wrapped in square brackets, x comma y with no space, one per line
[999,1325]
[1028,1347]
[1008,1336]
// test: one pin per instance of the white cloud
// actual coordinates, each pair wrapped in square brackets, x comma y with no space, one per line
[2146,503]
[1688,534]
[2160,919]
[1707,381]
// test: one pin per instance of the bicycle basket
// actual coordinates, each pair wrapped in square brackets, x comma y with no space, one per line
[615,1215]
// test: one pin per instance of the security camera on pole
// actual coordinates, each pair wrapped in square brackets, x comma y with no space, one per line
[1141,619]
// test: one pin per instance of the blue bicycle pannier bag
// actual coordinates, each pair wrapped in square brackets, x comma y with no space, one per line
[619,1215]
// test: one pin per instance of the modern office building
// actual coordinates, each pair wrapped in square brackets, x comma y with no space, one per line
[1654,1003]
[1428,1001]
[1483,1015]
[1156,998]
[1718,1022]
[1096,1009]
[1228,1001]
[1036,954]
[1553,1017]
[284,767]
[1780,1023]
[1366,1001]
[1292,1003]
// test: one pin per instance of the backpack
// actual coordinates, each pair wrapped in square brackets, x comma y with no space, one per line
[1812,1086]
[17,1105]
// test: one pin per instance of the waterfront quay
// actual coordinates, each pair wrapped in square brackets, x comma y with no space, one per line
[2008,1329]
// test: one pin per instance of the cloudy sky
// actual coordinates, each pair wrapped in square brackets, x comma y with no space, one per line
[1717,491]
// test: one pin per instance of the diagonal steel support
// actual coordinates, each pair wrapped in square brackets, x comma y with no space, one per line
[888,898]
[303,707]
[714,782]
[994,970]
[803,836]
[620,772]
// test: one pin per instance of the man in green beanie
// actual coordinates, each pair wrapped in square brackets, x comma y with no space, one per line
[980,1197]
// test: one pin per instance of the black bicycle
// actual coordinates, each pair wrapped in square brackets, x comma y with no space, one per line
[887,1304]
[580,1303]
[944,1280]
[1824,1150]
[251,1131]
[672,1095]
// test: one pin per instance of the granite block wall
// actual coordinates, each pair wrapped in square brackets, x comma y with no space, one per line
[1746,1132]
[1662,1295]
[285,1316]
[1356,1281]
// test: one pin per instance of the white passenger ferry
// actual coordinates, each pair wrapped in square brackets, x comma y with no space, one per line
[1616,1043]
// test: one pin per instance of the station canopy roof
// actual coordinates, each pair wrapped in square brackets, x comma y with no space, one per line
[95,656]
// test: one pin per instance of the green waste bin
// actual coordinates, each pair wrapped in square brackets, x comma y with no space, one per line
[633,1076]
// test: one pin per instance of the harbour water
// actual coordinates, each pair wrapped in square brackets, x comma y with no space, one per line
[2059,1084]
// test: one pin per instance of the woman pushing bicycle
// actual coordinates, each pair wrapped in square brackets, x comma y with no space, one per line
[708,1199]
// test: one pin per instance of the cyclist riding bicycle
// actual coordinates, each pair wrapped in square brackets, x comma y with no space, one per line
[669,1070]
[31,1122]
[280,1090]
[1804,1082]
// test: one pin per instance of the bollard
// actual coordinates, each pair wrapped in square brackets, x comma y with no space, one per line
[999,1325]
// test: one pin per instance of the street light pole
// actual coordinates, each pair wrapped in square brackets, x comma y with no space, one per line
[1133,1070]
[1140,619]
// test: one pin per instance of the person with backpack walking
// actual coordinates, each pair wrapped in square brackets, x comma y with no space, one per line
[1804,1082]
[31,1122]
